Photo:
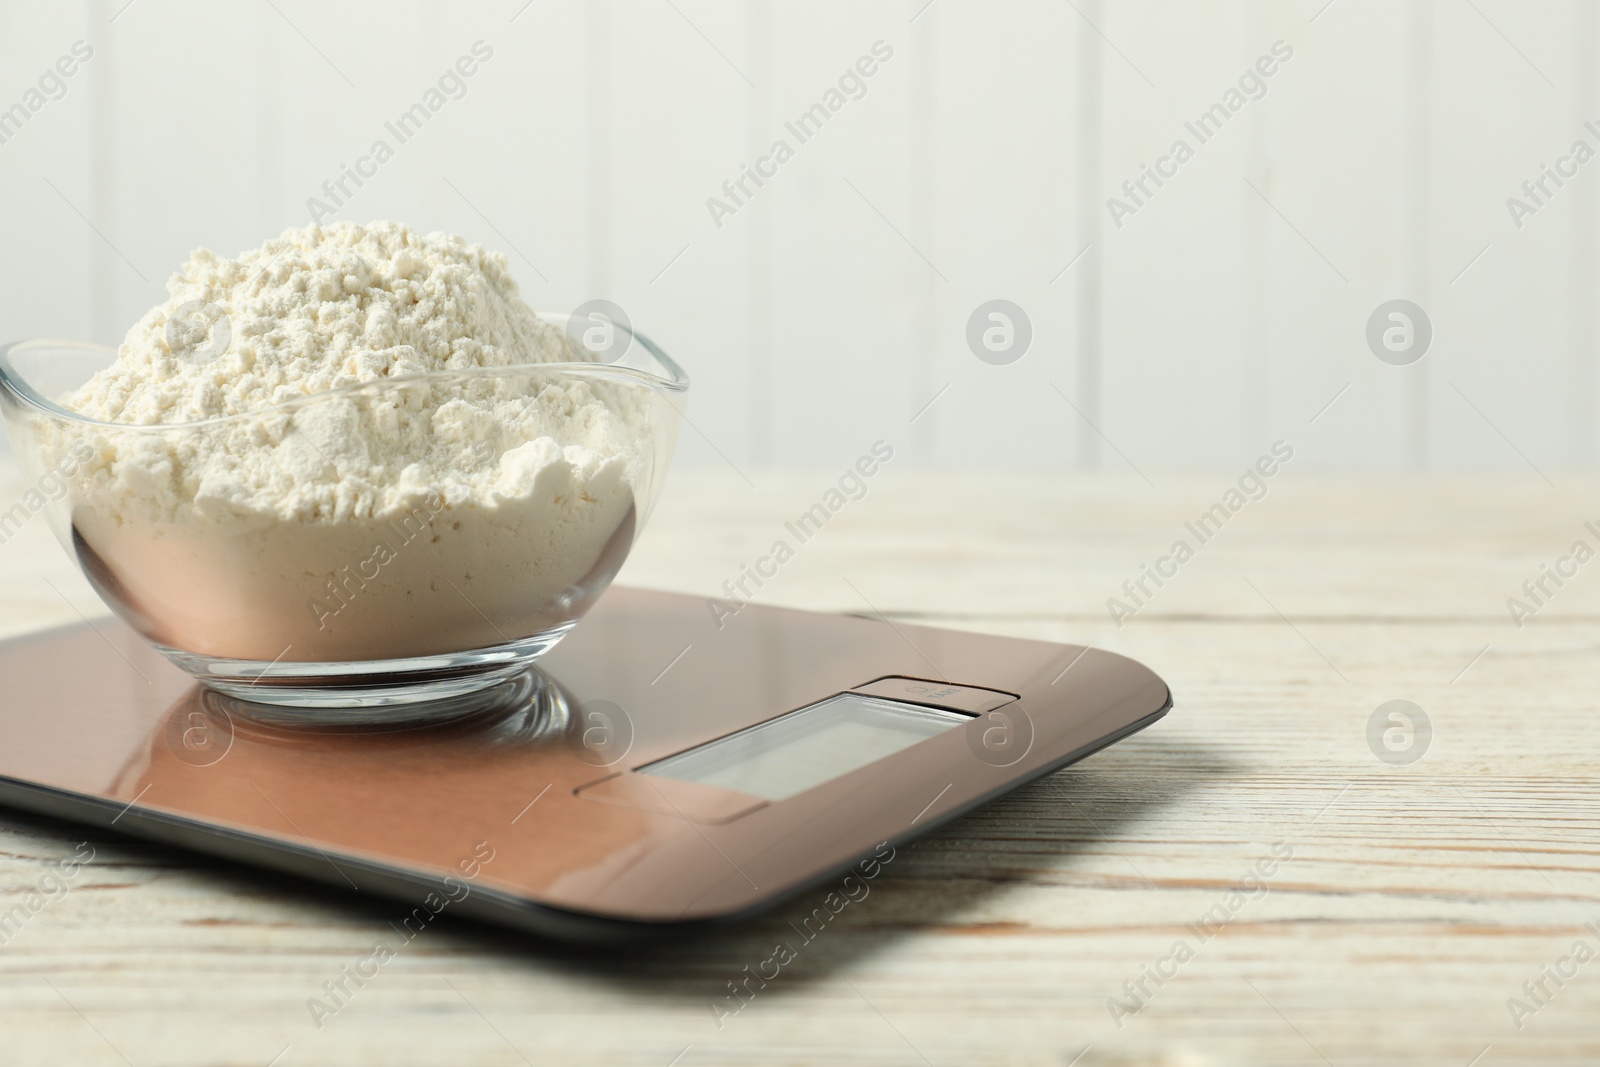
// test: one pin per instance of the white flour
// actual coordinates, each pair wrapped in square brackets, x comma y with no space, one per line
[392,520]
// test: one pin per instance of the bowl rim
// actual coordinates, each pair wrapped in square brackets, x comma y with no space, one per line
[15,386]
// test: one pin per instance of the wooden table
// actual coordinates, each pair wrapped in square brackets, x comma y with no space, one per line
[1419,897]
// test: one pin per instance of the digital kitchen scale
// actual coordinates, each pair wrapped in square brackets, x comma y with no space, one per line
[661,773]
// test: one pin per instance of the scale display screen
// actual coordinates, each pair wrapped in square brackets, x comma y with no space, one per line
[805,748]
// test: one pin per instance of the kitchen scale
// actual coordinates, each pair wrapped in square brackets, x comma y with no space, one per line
[660,772]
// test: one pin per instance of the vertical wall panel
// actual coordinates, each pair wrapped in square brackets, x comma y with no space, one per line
[1581,237]
[51,254]
[1006,224]
[1089,258]
[1501,329]
[830,307]
[846,269]
[49,249]
[1337,235]
[1173,318]
[679,98]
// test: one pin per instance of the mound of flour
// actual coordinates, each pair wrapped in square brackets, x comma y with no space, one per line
[332,306]
[308,512]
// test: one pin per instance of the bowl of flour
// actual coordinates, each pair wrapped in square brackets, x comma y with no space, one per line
[351,471]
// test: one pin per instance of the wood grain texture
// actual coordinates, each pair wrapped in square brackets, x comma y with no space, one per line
[1418,899]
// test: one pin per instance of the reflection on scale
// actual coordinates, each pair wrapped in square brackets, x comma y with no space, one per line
[616,798]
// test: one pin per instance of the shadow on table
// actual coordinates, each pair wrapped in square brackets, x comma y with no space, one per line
[1029,836]
[1037,834]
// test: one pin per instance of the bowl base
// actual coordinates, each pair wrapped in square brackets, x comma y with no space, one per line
[414,689]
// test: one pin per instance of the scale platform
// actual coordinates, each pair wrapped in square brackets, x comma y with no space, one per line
[662,775]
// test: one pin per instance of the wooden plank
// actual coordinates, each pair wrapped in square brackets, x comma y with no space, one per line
[1417,901]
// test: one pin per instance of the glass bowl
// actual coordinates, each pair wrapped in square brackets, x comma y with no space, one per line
[387,597]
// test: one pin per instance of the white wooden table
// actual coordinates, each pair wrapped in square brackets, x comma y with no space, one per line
[1418,900]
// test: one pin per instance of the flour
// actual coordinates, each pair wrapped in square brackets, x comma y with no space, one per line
[394,518]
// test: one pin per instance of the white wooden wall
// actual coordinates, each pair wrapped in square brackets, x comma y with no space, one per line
[832,307]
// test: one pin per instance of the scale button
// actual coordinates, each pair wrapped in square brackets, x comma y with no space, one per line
[687,800]
[968,698]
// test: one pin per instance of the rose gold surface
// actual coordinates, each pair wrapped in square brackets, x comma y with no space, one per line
[96,712]
[668,796]
[937,694]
